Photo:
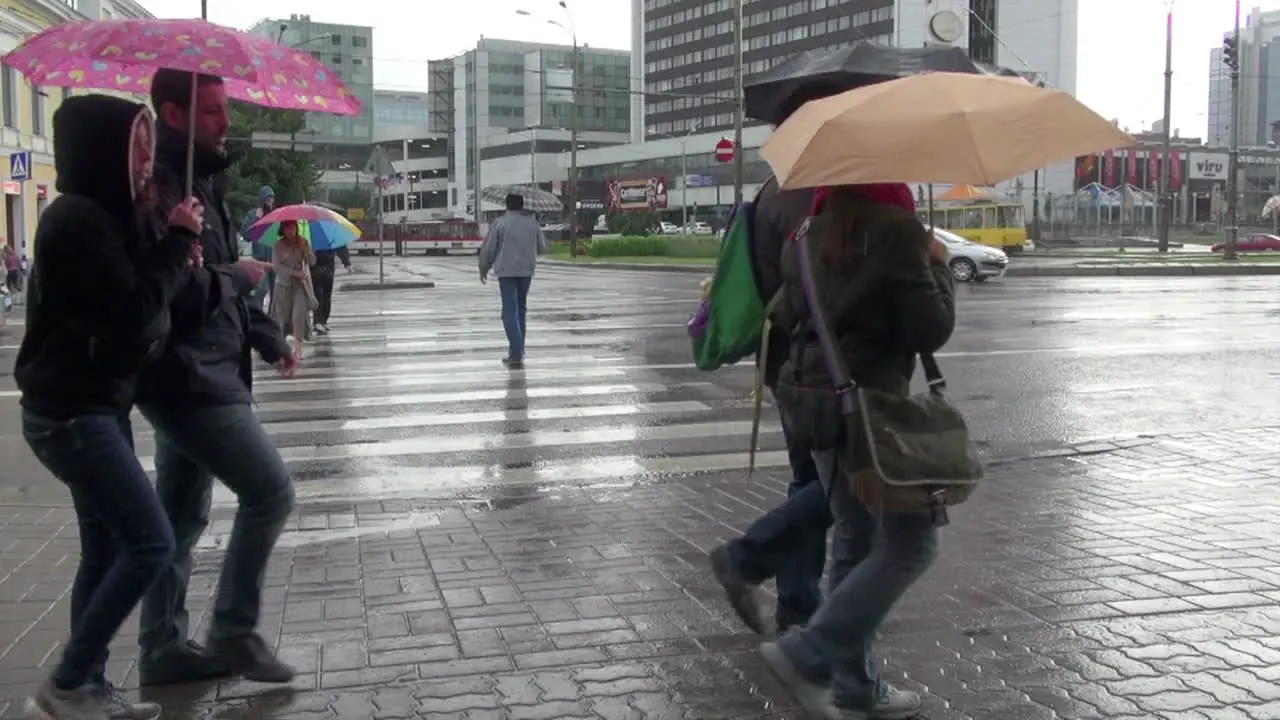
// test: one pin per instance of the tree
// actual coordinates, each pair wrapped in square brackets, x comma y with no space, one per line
[352,197]
[292,175]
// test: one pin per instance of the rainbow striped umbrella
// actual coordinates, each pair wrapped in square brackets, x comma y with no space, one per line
[322,227]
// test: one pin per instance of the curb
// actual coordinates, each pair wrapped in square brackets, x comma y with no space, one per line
[360,286]
[1014,271]
[1143,270]
[658,267]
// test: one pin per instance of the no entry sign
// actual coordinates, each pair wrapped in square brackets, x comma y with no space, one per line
[724,150]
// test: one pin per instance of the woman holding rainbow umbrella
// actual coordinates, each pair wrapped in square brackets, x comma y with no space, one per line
[297,234]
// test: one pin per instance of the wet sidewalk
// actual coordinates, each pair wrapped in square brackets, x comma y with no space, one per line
[1139,580]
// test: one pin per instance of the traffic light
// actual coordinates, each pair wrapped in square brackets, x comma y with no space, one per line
[1231,53]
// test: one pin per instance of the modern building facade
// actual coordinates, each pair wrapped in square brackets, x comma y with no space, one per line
[683,55]
[1259,83]
[348,51]
[512,104]
[26,111]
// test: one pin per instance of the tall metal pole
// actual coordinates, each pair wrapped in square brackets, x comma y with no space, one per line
[204,9]
[475,135]
[1165,221]
[1035,208]
[684,184]
[381,251]
[1233,159]
[738,101]
[533,157]
[573,148]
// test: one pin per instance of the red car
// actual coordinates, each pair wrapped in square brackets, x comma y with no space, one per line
[1254,243]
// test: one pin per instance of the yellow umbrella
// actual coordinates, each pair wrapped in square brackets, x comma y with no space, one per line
[936,128]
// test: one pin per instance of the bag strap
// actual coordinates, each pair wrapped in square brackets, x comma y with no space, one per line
[836,367]
[762,362]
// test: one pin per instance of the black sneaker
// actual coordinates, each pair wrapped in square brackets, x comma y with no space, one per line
[513,364]
[785,620]
[743,597]
[187,663]
[249,657]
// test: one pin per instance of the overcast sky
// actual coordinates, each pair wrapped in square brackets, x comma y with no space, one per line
[1121,41]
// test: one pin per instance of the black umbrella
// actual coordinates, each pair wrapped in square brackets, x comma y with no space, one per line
[773,95]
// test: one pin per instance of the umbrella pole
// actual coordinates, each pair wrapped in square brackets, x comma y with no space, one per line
[191,116]
[191,134]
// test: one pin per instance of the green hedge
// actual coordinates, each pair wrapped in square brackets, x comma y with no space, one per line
[700,246]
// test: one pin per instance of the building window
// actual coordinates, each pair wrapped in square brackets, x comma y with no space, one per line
[335,39]
[9,88]
[359,41]
[37,110]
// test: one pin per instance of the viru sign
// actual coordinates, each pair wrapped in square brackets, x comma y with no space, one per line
[1204,166]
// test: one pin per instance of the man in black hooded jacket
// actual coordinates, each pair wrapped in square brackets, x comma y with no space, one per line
[198,397]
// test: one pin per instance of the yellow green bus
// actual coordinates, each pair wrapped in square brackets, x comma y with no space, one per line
[997,224]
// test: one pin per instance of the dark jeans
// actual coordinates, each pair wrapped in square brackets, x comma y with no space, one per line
[515,295]
[875,558]
[125,539]
[789,542]
[322,281]
[193,445]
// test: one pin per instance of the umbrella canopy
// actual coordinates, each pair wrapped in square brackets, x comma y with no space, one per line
[323,228]
[936,127]
[124,54]
[776,93]
[965,192]
[535,199]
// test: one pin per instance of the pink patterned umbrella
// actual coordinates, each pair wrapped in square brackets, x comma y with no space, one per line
[124,54]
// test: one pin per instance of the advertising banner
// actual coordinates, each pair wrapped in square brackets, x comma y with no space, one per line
[638,194]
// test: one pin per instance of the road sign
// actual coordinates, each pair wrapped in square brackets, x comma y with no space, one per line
[724,150]
[20,166]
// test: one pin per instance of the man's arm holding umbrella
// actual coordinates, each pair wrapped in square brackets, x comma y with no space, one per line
[201,292]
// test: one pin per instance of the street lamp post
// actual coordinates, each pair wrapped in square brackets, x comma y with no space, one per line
[684,177]
[738,101]
[1166,192]
[575,89]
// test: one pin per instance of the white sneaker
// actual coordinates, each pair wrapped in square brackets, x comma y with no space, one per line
[83,703]
[894,704]
[120,707]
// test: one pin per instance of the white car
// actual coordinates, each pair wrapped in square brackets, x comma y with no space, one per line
[971,261]
[666,228]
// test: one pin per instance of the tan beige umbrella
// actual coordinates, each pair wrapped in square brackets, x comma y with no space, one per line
[935,128]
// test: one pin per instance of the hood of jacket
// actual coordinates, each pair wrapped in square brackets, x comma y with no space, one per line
[92,151]
[171,149]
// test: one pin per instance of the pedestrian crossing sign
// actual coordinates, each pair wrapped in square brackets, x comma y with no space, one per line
[20,166]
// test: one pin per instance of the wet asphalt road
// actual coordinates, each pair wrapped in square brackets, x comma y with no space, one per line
[407,395]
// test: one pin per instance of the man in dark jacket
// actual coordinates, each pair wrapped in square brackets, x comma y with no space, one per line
[789,542]
[198,398]
[322,280]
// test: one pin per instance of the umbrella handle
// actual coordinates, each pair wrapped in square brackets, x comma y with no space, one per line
[191,134]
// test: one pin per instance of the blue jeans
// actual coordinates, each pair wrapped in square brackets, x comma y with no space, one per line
[875,558]
[125,538]
[789,542]
[193,445]
[515,294]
